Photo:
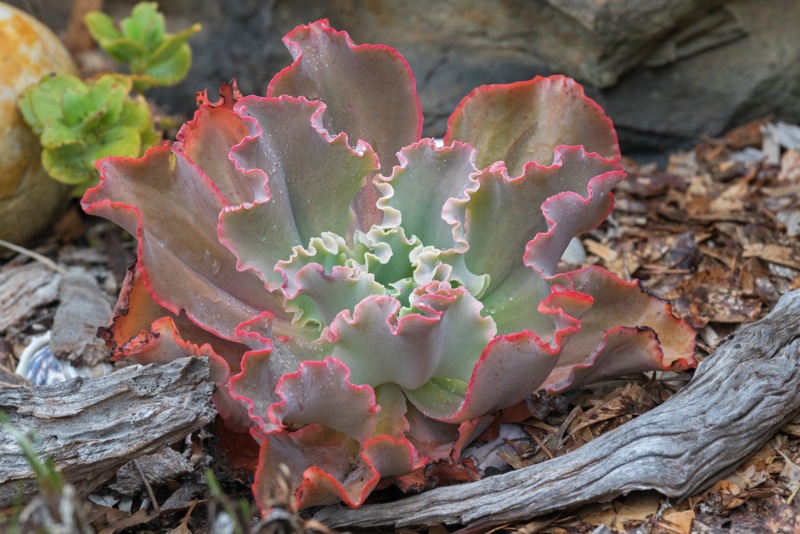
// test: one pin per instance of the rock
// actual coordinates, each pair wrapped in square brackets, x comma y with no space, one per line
[29,198]
[708,67]
[667,71]
[656,109]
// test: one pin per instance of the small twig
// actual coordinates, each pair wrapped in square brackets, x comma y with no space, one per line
[542,446]
[185,522]
[35,255]
[149,489]
[514,446]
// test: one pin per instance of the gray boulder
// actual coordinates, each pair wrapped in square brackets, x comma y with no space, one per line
[667,71]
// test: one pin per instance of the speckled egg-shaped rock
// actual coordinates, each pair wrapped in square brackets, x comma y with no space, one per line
[29,198]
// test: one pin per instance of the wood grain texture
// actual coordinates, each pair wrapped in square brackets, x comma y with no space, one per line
[737,400]
[91,427]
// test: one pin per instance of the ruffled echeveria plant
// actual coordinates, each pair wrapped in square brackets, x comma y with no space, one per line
[369,300]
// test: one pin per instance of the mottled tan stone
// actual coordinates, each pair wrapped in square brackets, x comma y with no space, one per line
[29,198]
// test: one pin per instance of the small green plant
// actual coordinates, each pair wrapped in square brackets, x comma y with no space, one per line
[155,58]
[79,122]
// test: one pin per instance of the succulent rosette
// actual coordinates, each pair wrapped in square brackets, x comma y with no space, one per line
[369,300]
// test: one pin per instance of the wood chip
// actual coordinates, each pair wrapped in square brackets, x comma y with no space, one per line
[772,253]
[23,288]
[83,307]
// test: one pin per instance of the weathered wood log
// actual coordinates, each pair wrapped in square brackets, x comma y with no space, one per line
[91,427]
[737,400]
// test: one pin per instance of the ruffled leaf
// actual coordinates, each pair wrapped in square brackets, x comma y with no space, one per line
[135,312]
[255,386]
[324,466]
[510,369]
[319,392]
[163,344]
[320,296]
[524,122]
[312,177]
[392,456]
[415,194]
[371,95]
[443,337]
[208,138]
[510,207]
[265,364]
[185,267]
[369,89]
[626,330]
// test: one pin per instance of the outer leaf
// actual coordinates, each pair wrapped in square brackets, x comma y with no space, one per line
[135,312]
[570,214]
[208,138]
[392,456]
[263,367]
[525,121]
[325,467]
[163,344]
[625,331]
[371,95]
[510,368]
[313,178]
[319,392]
[184,265]
[370,87]
[509,207]
[255,386]
[514,304]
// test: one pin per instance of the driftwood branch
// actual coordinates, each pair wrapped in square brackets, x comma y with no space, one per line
[91,427]
[737,400]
